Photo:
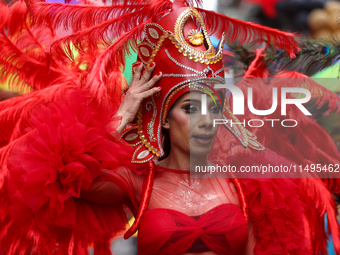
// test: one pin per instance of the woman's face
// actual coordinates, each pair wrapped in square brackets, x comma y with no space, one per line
[189,130]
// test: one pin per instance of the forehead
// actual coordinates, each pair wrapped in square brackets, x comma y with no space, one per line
[197,95]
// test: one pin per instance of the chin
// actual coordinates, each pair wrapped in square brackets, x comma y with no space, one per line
[199,148]
[200,151]
[199,155]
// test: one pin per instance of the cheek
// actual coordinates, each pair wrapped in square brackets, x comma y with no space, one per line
[181,119]
[180,125]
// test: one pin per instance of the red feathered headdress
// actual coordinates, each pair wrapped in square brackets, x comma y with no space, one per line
[187,59]
[180,45]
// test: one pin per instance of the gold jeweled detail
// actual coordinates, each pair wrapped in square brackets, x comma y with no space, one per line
[151,124]
[131,137]
[249,139]
[179,26]
[204,57]
[143,154]
[195,37]
[153,33]
[142,136]
[139,156]
[156,49]
[149,30]
[144,51]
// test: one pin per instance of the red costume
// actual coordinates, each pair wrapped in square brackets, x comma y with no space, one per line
[65,143]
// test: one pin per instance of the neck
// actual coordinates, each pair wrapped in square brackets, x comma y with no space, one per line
[181,160]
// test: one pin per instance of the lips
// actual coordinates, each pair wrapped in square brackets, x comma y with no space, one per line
[203,138]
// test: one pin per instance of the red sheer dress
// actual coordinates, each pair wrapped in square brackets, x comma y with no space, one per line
[185,215]
[191,216]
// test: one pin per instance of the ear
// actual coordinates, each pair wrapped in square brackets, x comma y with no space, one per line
[166,125]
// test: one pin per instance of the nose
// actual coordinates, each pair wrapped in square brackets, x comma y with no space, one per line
[206,121]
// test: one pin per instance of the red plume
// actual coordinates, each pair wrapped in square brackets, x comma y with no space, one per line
[88,39]
[320,94]
[4,14]
[198,3]
[292,142]
[244,32]
[257,68]
[17,17]
[78,17]
[21,70]
[320,201]
[15,112]
[111,60]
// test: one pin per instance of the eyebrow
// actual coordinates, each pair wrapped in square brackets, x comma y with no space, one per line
[192,100]
[217,102]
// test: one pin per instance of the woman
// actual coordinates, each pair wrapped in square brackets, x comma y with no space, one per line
[69,177]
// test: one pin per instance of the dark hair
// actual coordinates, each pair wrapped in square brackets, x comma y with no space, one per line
[166,143]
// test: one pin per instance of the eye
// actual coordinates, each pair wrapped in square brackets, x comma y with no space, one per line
[325,51]
[190,108]
[216,109]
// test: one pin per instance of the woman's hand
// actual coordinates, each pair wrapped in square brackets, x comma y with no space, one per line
[141,87]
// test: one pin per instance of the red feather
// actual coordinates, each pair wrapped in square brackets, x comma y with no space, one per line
[128,28]
[4,14]
[247,32]
[320,201]
[112,60]
[17,17]
[102,33]
[197,3]
[24,62]
[292,142]
[78,17]
[15,112]
[20,70]
[27,60]
[320,94]
[257,68]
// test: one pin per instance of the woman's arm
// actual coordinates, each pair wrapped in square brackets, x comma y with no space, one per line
[114,187]
[104,192]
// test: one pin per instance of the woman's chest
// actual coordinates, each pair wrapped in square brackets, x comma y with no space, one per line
[191,196]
